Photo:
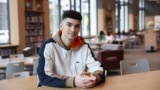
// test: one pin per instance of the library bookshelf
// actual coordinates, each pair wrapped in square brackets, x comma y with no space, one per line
[8,49]
[33,23]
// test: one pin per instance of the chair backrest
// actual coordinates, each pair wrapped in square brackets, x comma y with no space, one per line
[35,65]
[134,66]
[0,57]
[111,47]
[29,59]
[14,68]
[16,56]
[18,74]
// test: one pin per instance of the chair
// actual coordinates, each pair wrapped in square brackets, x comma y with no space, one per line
[0,57]
[2,71]
[35,65]
[134,66]
[111,47]
[18,74]
[29,68]
[110,59]
[16,56]
[14,67]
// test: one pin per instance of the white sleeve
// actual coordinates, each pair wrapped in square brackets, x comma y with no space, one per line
[92,64]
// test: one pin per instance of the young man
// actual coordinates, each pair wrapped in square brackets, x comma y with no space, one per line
[66,60]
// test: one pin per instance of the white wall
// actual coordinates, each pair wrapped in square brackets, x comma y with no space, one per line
[148,19]
[157,21]
[14,28]
[101,19]
[131,21]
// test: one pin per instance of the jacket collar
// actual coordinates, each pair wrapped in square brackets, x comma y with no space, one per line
[76,43]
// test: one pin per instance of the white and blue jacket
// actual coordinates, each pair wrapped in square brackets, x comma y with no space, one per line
[58,66]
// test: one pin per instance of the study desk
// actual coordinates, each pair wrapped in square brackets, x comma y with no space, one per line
[4,62]
[89,37]
[99,43]
[139,81]
[96,45]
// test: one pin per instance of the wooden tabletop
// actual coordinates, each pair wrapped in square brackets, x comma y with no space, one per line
[4,62]
[9,45]
[89,37]
[139,81]
[99,43]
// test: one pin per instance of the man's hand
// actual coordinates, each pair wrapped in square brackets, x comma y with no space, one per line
[85,80]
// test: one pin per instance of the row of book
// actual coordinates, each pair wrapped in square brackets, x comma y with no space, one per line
[7,51]
[35,32]
[34,44]
[34,19]
[34,26]
[34,39]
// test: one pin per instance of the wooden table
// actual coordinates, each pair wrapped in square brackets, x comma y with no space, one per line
[4,62]
[99,43]
[96,45]
[139,81]
[89,37]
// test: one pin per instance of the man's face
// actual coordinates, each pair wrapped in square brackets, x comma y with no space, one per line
[70,28]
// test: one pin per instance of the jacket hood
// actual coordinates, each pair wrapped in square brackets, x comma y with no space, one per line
[78,41]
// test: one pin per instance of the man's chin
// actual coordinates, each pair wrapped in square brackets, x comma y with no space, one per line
[72,38]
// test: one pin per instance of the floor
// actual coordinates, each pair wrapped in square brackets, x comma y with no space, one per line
[139,52]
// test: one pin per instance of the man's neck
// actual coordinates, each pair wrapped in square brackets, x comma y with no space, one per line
[66,42]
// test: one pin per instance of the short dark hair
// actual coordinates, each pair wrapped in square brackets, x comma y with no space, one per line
[72,14]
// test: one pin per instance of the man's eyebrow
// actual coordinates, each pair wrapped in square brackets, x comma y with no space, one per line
[72,23]
[68,22]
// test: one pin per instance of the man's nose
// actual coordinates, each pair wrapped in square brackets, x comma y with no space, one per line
[73,28]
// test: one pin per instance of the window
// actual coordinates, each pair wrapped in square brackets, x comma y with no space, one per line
[86,7]
[54,16]
[93,17]
[117,16]
[4,22]
[85,14]
[121,15]
[141,14]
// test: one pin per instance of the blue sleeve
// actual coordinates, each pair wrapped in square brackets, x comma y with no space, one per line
[44,79]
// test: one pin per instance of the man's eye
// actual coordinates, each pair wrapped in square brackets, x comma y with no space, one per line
[77,26]
[69,25]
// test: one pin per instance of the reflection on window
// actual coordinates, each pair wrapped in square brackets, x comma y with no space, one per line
[4,26]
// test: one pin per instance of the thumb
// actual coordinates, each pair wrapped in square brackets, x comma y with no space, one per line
[85,73]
